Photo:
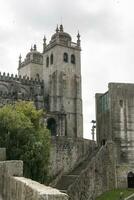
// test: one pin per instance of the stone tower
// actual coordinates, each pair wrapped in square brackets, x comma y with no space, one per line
[60,67]
[32,66]
[115,122]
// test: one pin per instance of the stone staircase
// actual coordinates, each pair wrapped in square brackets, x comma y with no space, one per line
[131,197]
[68,179]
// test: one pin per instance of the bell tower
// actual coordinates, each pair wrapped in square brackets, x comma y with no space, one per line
[62,80]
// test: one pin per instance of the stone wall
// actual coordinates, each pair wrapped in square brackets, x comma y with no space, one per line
[122,172]
[67,153]
[98,177]
[20,188]
[2,154]
[115,121]
[15,187]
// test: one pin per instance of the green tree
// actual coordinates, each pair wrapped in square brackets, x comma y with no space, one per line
[23,134]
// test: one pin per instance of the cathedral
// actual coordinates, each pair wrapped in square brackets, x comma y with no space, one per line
[52,79]
[79,167]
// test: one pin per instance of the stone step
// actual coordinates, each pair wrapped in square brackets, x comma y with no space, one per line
[131,197]
[65,181]
[80,167]
[69,179]
[63,191]
[83,164]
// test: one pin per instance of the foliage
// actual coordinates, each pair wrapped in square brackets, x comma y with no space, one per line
[23,134]
[116,194]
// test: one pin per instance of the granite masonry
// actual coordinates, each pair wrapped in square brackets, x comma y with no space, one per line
[115,121]
[67,153]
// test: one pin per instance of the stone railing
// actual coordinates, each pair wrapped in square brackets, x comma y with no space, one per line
[20,188]
[98,177]
[67,153]
[13,186]
[131,197]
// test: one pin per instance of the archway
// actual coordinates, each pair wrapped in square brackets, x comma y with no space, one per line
[103,142]
[130,179]
[51,125]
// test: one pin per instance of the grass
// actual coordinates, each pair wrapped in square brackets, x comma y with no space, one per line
[115,194]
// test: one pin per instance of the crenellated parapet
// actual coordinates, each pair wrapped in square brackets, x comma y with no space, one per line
[23,80]
[14,88]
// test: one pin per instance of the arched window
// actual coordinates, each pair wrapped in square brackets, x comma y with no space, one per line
[65,57]
[130,179]
[51,59]
[73,59]
[51,125]
[47,61]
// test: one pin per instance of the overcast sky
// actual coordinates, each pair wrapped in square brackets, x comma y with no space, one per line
[107,36]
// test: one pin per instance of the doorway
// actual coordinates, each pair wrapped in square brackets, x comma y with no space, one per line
[51,125]
[130,179]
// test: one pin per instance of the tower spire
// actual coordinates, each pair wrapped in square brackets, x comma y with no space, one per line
[61,28]
[44,43]
[35,47]
[57,29]
[78,39]
[20,60]
[31,48]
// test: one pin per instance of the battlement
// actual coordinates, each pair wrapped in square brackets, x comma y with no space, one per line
[23,80]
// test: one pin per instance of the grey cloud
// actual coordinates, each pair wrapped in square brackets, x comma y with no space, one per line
[5,35]
[43,15]
[39,14]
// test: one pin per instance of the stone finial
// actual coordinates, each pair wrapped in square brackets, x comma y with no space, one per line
[78,35]
[61,28]
[78,39]
[31,48]
[35,47]
[44,43]
[20,60]
[44,39]
[20,57]
[57,29]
